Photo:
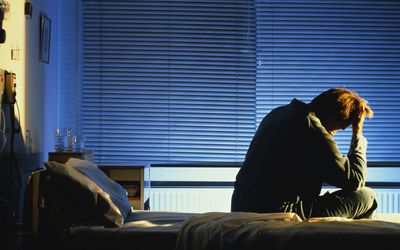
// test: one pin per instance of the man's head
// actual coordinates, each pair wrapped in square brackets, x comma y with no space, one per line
[338,108]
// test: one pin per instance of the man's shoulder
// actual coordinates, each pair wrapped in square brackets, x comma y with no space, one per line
[300,104]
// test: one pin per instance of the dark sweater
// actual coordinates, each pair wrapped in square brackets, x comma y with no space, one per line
[291,156]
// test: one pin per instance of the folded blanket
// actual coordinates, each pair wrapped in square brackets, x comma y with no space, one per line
[218,230]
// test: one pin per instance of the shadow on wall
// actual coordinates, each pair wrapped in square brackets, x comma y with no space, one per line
[13,155]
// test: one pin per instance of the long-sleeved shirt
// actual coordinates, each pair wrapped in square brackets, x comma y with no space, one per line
[292,155]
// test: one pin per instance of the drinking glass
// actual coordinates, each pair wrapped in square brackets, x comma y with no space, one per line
[59,139]
[78,144]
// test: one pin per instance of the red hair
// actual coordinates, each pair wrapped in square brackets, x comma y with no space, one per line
[345,105]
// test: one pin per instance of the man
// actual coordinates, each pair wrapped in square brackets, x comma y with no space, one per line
[293,153]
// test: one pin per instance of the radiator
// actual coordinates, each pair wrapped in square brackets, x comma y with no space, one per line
[388,201]
[191,199]
[219,200]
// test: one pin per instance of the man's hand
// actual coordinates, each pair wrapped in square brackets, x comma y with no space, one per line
[358,125]
[364,110]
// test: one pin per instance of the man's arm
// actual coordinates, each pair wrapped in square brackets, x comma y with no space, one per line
[347,172]
[358,146]
[356,163]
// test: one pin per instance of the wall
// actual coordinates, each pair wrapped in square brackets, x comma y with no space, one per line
[37,90]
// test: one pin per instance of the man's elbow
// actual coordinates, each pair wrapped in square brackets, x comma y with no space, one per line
[355,184]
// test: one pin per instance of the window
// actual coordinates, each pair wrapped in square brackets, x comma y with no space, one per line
[168,80]
[171,81]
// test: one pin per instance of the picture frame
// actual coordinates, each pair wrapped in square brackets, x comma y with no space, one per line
[45,35]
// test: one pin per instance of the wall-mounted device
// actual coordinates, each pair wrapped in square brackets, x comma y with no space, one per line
[10,87]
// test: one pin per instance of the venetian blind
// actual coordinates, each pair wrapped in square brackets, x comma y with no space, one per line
[168,80]
[306,47]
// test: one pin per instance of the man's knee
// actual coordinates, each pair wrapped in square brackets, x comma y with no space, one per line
[367,196]
[346,203]
[368,199]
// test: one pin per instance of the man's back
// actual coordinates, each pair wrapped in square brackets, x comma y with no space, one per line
[279,163]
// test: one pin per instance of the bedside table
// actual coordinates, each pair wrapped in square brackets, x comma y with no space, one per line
[62,157]
[135,178]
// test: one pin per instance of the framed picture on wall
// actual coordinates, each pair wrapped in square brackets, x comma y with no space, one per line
[45,34]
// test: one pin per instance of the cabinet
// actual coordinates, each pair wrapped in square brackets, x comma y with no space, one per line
[135,178]
[62,157]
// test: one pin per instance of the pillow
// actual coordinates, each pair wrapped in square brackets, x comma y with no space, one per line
[117,193]
[87,194]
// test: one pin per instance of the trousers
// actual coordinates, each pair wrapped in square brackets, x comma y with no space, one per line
[357,204]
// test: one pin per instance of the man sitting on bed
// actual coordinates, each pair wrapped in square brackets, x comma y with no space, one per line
[293,153]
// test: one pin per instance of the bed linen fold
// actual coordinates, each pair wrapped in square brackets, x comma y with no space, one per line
[285,231]
[236,230]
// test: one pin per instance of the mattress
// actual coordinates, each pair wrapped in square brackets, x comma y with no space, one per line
[143,230]
[286,231]
[160,230]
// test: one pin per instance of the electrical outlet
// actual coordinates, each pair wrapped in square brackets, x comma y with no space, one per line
[10,88]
